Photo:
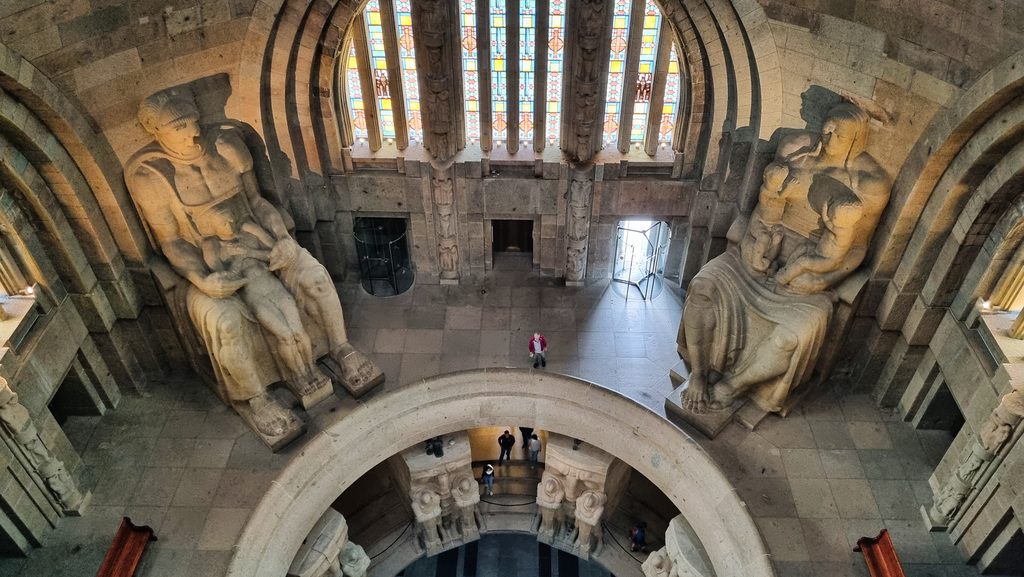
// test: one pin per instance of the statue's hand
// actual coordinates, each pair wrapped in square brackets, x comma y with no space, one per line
[775,176]
[221,284]
[789,272]
[283,253]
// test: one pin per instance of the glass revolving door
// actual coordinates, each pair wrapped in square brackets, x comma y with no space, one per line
[383,255]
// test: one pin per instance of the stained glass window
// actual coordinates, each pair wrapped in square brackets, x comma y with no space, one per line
[469,68]
[499,52]
[407,58]
[527,56]
[668,111]
[355,94]
[616,68]
[379,65]
[556,55]
[645,77]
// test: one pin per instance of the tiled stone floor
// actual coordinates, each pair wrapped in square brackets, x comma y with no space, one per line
[837,469]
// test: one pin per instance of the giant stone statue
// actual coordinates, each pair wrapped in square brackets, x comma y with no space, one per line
[755,317]
[264,308]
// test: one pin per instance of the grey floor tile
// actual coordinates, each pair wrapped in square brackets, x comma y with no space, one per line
[841,464]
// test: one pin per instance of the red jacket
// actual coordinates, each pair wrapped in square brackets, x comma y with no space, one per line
[543,344]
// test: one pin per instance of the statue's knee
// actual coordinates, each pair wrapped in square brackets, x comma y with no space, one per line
[785,339]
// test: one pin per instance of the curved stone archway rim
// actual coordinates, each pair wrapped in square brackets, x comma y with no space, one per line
[359,440]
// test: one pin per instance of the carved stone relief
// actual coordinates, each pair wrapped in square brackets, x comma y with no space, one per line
[264,308]
[578,490]
[989,443]
[446,221]
[444,494]
[590,54]
[36,456]
[682,556]
[580,195]
[436,44]
[327,552]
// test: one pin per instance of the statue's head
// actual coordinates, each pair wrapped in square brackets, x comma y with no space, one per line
[844,135]
[171,116]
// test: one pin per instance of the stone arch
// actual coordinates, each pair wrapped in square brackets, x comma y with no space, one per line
[348,448]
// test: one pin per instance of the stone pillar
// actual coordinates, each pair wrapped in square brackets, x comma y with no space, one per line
[46,469]
[327,552]
[443,492]
[682,555]
[442,184]
[587,50]
[581,195]
[439,66]
[579,489]
[970,475]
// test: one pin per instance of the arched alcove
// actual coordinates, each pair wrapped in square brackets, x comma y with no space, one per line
[373,431]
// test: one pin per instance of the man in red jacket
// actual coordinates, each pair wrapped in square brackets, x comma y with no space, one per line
[538,348]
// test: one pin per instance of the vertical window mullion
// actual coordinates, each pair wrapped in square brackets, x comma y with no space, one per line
[657,103]
[512,15]
[389,25]
[485,75]
[366,85]
[636,28]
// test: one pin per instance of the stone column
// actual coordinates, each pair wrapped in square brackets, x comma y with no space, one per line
[443,493]
[46,469]
[442,184]
[970,475]
[327,552]
[579,489]
[439,66]
[587,49]
[682,556]
[581,195]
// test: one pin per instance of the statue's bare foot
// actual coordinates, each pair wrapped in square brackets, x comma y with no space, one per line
[309,382]
[269,418]
[358,373]
[695,397]
[723,395]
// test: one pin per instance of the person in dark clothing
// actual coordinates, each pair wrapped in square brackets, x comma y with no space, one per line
[506,441]
[526,432]
[638,537]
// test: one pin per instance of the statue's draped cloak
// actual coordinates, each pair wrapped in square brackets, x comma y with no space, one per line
[746,308]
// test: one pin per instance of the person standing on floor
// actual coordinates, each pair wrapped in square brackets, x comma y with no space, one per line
[488,478]
[506,441]
[534,450]
[538,350]
[638,537]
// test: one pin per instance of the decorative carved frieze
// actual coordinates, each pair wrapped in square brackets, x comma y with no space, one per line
[443,492]
[446,220]
[327,552]
[46,468]
[588,47]
[580,195]
[579,489]
[437,46]
[991,441]
[682,555]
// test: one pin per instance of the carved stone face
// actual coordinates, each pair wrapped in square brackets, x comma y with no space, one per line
[574,481]
[179,137]
[837,138]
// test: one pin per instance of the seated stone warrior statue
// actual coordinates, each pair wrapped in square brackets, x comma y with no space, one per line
[755,317]
[198,195]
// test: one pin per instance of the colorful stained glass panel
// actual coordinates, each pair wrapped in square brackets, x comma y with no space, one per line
[469,68]
[499,78]
[355,95]
[407,57]
[556,54]
[381,81]
[527,53]
[645,76]
[620,30]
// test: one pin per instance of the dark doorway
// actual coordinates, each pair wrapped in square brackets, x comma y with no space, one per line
[512,244]
[383,255]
